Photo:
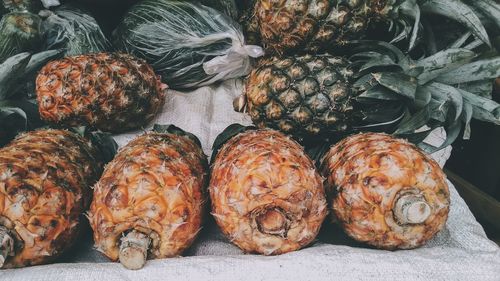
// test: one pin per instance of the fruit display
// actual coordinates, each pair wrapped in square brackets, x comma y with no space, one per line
[385,191]
[376,84]
[75,30]
[112,92]
[45,179]
[267,198]
[348,99]
[149,202]
[311,25]
[19,32]
[188,44]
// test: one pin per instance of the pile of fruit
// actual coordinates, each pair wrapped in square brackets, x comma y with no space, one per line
[342,95]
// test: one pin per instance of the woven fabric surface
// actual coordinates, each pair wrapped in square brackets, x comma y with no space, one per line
[461,251]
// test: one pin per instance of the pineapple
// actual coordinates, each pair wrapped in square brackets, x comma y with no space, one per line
[266,195]
[324,95]
[311,25]
[385,191]
[45,179]
[149,202]
[112,92]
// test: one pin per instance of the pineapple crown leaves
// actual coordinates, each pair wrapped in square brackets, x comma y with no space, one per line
[172,129]
[12,68]
[20,68]
[103,142]
[443,90]
[228,133]
[19,113]
[12,121]
[489,11]
[410,14]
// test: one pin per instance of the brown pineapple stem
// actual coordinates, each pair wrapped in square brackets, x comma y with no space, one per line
[272,221]
[240,104]
[6,245]
[134,250]
[412,209]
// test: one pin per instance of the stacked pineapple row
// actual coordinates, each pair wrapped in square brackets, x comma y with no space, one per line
[267,195]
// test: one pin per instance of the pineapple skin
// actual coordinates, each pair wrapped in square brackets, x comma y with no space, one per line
[260,177]
[366,173]
[313,25]
[303,96]
[155,185]
[45,179]
[112,92]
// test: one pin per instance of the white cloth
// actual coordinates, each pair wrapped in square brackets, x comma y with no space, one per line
[460,252]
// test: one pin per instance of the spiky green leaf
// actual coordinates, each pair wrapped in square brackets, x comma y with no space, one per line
[228,133]
[442,62]
[476,71]
[458,11]
[411,9]
[446,93]
[104,142]
[175,130]
[439,109]
[452,133]
[489,8]
[10,70]
[38,60]
[12,121]
[415,122]
[466,118]
[422,98]
[400,83]
[482,88]
[460,41]
[483,109]
[378,93]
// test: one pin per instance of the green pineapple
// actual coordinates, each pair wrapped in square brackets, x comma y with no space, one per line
[376,87]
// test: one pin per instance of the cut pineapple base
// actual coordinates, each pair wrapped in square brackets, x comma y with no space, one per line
[150,196]
[385,191]
[266,195]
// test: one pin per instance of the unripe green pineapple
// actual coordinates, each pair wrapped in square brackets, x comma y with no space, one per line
[371,86]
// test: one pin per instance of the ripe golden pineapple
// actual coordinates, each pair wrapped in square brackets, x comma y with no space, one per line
[112,92]
[266,195]
[149,201]
[45,179]
[311,25]
[385,191]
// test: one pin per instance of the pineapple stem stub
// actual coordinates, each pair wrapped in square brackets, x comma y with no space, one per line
[272,221]
[240,104]
[134,250]
[6,245]
[412,209]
